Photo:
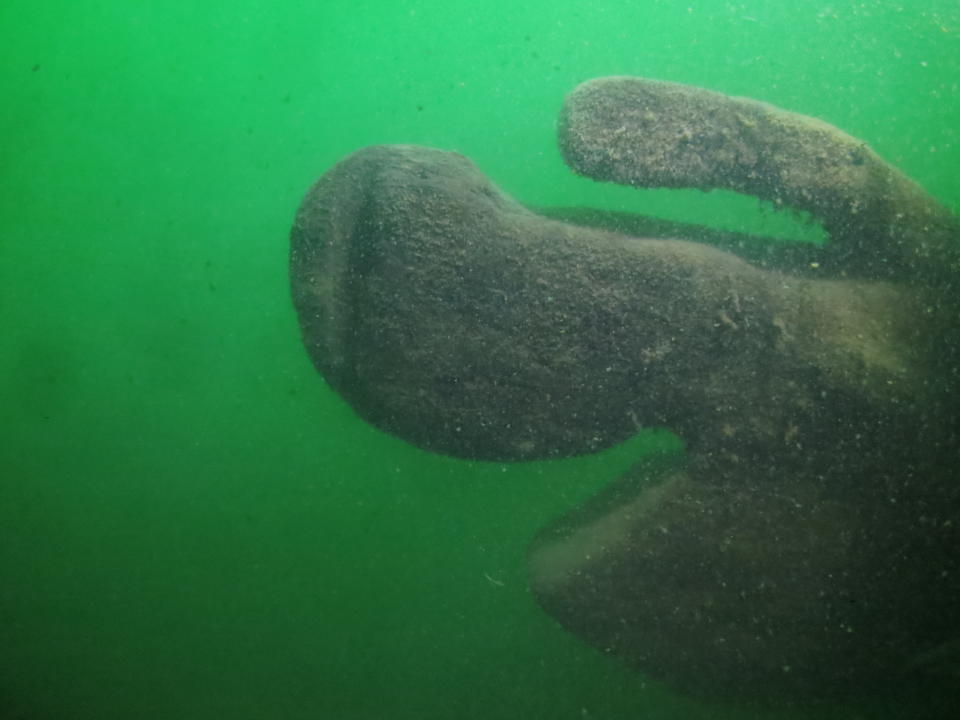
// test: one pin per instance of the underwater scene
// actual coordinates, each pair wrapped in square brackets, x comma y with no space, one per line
[415,359]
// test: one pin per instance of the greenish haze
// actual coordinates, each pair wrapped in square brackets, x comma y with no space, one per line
[192,525]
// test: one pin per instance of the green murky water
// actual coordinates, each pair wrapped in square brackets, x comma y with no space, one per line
[192,525]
